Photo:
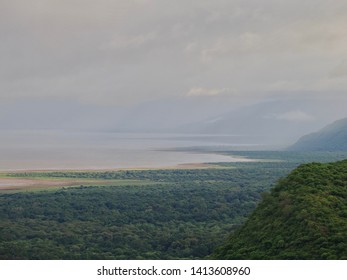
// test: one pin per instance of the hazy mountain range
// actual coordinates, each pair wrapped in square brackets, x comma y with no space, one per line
[333,137]
[272,121]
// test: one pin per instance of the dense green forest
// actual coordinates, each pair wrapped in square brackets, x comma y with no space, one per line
[175,214]
[186,214]
[304,217]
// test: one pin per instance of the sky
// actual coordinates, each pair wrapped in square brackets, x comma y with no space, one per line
[137,56]
[129,51]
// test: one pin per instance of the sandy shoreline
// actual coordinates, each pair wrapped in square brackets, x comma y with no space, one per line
[14,183]
[96,169]
[7,184]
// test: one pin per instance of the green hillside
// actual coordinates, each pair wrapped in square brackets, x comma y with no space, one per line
[304,217]
[331,138]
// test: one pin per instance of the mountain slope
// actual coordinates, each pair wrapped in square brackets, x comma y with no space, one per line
[331,138]
[304,217]
[278,121]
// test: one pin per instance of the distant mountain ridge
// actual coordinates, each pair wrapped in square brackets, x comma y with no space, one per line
[304,217]
[333,137]
[278,120]
[272,121]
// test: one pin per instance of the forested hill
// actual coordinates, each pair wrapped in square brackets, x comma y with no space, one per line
[304,217]
[331,138]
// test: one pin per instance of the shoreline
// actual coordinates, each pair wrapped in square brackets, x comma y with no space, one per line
[9,183]
[193,165]
[96,169]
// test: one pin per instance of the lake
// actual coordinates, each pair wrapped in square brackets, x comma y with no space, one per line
[45,149]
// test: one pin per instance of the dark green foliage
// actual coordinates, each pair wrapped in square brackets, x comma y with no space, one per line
[304,217]
[163,175]
[185,216]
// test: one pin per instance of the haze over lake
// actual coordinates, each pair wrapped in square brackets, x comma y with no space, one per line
[46,149]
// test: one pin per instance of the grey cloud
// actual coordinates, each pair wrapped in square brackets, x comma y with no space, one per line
[340,70]
[122,52]
[294,116]
[210,92]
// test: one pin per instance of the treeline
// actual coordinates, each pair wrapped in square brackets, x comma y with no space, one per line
[250,172]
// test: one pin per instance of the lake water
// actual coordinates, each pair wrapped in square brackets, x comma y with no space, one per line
[76,150]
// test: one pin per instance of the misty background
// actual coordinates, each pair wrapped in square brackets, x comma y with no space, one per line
[260,72]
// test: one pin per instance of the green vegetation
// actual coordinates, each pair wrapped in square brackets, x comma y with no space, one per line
[139,214]
[185,214]
[304,217]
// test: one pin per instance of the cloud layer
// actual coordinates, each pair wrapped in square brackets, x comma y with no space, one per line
[126,52]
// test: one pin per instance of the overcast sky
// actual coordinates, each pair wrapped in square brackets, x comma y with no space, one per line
[117,52]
